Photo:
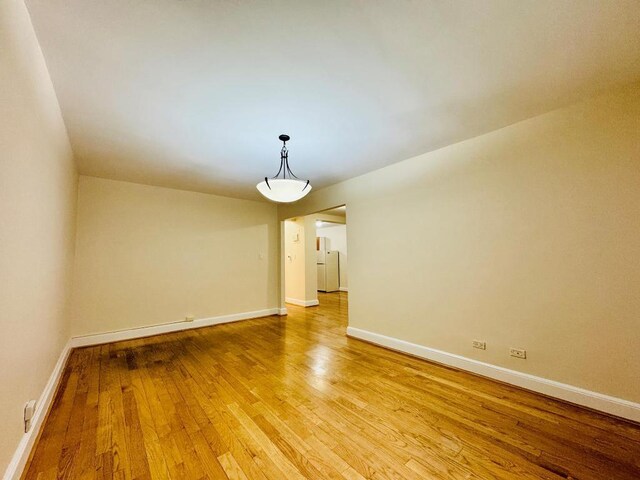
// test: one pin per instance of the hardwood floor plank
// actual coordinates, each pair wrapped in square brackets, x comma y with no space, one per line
[231,467]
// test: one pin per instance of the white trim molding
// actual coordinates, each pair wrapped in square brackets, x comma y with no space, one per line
[140,332]
[21,455]
[302,303]
[282,311]
[579,396]
[344,289]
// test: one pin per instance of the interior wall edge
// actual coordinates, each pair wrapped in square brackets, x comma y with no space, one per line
[302,303]
[148,331]
[384,180]
[586,398]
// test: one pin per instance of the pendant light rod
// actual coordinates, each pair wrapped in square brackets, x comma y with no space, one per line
[284,160]
[287,187]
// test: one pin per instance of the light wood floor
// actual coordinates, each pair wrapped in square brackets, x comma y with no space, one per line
[287,398]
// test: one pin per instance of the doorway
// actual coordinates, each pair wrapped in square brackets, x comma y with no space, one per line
[315,257]
[331,251]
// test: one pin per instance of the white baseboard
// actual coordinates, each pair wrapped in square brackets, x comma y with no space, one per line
[21,455]
[344,289]
[282,311]
[597,401]
[129,334]
[302,303]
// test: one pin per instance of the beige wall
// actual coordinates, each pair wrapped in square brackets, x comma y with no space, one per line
[301,281]
[527,237]
[311,259]
[150,255]
[37,212]
[330,218]
[294,258]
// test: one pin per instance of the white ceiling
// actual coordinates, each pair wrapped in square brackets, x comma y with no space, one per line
[193,94]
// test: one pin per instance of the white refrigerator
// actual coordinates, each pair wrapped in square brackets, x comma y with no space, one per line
[328,264]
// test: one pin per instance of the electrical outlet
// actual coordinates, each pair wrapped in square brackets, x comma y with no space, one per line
[29,411]
[479,344]
[518,352]
[189,318]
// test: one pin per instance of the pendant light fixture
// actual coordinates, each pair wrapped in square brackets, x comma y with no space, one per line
[288,188]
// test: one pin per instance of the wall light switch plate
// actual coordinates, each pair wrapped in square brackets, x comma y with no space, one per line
[479,344]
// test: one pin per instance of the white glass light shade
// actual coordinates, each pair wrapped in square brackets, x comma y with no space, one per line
[284,190]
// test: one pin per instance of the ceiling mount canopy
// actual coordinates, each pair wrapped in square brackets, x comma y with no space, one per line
[284,187]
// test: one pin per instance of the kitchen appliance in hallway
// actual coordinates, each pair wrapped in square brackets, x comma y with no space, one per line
[328,265]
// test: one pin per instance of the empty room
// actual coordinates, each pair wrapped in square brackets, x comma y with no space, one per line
[277,239]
